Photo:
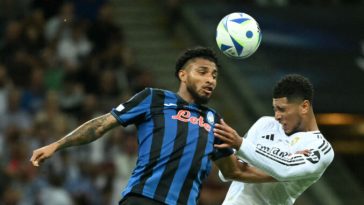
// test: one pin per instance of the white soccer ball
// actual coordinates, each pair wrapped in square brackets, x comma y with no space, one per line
[238,35]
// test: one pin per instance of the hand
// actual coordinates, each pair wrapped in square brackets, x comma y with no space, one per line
[41,154]
[305,152]
[228,135]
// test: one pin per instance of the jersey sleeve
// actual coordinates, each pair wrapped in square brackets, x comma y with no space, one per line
[220,153]
[134,109]
[285,166]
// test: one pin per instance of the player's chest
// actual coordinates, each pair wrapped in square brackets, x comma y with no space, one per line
[185,116]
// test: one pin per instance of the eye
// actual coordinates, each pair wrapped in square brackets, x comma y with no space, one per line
[278,109]
[214,75]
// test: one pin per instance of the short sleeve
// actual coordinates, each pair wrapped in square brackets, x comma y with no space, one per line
[135,109]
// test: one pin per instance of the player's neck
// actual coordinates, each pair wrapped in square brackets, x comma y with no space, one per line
[311,124]
[185,95]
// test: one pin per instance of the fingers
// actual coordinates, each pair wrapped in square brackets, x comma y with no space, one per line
[225,126]
[223,132]
[33,157]
[221,146]
[222,137]
[220,131]
[37,158]
[305,152]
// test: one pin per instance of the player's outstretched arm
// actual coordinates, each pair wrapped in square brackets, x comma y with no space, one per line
[232,169]
[86,133]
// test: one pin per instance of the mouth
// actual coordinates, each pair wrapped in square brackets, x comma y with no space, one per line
[284,126]
[208,89]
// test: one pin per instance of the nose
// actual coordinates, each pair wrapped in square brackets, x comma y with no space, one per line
[211,79]
[277,116]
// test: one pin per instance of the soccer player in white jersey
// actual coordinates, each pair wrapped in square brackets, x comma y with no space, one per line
[288,147]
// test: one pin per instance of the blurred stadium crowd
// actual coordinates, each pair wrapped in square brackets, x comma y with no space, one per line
[61,64]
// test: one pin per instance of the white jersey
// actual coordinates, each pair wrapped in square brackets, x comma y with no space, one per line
[268,148]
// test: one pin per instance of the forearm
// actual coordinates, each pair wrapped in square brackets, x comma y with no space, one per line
[232,169]
[249,174]
[87,132]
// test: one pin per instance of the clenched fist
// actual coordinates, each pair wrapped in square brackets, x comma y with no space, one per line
[41,154]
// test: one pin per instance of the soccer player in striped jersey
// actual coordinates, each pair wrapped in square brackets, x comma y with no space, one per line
[175,136]
[289,147]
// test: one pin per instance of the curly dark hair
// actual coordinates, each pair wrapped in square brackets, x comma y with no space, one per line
[294,87]
[197,52]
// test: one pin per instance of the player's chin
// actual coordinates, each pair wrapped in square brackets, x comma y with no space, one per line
[206,94]
[204,99]
[289,132]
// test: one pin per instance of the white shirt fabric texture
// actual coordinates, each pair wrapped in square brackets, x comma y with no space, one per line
[268,148]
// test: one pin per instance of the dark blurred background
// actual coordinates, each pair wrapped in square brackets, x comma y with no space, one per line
[65,62]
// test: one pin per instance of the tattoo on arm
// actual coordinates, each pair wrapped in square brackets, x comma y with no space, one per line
[89,131]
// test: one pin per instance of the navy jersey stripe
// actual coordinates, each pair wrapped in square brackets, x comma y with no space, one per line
[192,175]
[173,162]
[167,144]
[157,138]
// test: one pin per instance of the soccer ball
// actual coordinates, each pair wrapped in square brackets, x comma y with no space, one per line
[238,35]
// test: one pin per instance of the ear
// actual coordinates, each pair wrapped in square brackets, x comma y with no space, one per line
[305,106]
[182,75]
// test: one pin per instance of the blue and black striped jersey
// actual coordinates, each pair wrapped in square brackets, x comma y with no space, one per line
[175,141]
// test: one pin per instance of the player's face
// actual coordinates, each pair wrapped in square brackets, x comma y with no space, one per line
[200,79]
[288,114]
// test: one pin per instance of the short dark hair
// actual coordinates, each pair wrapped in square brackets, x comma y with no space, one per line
[294,87]
[197,52]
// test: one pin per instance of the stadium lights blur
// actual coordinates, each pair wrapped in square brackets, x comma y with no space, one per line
[339,119]
[348,147]
[346,131]
[360,129]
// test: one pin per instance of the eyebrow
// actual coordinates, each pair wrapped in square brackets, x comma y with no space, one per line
[206,68]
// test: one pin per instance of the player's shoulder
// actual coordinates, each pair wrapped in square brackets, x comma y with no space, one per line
[158,90]
[161,92]
[267,121]
[310,136]
[322,145]
[317,142]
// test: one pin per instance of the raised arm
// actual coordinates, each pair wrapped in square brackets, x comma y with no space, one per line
[86,133]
